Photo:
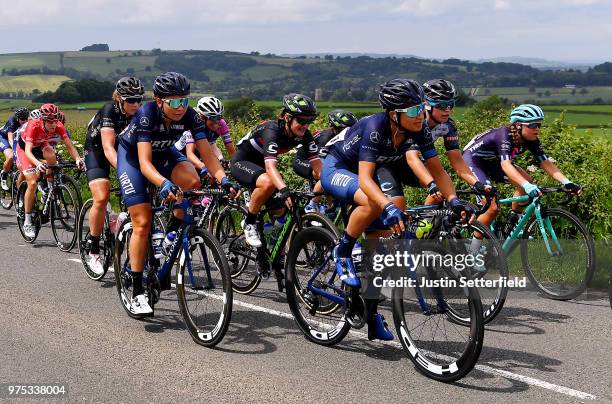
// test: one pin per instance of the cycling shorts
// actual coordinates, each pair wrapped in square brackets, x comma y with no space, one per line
[24,163]
[97,165]
[245,171]
[486,171]
[133,183]
[4,144]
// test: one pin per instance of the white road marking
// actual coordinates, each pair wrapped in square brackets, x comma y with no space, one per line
[483,368]
[74,260]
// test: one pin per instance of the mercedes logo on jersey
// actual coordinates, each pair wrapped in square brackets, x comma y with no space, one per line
[375,137]
[144,121]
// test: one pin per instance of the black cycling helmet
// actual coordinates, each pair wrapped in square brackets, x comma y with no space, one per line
[399,94]
[298,104]
[22,113]
[128,87]
[340,119]
[439,90]
[170,84]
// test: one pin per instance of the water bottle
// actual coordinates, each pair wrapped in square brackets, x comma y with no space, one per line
[167,243]
[247,198]
[157,238]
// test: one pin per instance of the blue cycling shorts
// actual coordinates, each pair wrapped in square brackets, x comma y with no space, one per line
[338,181]
[4,144]
[133,183]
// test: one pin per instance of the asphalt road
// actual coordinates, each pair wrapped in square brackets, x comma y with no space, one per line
[57,326]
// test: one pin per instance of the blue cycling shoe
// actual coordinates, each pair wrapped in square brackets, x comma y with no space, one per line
[378,329]
[345,268]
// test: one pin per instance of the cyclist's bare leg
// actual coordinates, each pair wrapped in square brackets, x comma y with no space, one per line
[141,216]
[8,162]
[263,191]
[186,178]
[100,192]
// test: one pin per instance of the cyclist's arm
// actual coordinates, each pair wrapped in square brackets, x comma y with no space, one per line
[10,136]
[108,145]
[209,159]
[231,149]
[145,160]
[552,170]
[217,152]
[369,186]
[512,173]
[191,156]
[71,149]
[418,168]
[461,168]
[441,177]
[316,165]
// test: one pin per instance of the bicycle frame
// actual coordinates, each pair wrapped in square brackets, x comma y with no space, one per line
[544,224]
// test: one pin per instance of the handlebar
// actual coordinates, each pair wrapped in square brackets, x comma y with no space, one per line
[483,208]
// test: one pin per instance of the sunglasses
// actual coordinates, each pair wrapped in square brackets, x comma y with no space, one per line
[443,105]
[175,103]
[304,121]
[533,125]
[132,100]
[215,118]
[412,112]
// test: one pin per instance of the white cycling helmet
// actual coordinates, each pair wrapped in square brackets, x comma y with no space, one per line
[35,114]
[210,107]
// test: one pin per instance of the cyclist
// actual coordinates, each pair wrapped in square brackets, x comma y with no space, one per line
[20,116]
[101,154]
[33,147]
[211,111]
[254,165]
[361,169]
[490,154]
[145,154]
[440,98]
[338,121]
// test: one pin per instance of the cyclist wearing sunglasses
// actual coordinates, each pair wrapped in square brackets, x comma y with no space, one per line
[362,169]
[35,153]
[490,156]
[7,132]
[440,98]
[101,154]
[254,164]
[145,154]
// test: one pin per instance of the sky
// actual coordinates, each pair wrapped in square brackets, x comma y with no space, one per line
[576,30]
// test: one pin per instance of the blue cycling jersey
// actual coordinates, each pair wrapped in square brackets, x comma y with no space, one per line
[496,145]
[10,126]
[370,140]
[148,126]
[448,132]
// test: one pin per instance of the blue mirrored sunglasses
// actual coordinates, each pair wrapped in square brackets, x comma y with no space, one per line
[412,112]
[443,105]
[175,103]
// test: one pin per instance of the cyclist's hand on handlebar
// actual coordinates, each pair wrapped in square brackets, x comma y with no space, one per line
[484,190]
[532,189]
[285,195]
[574,189]
[80,163]
[393,217]
[230,186]
[42,167]
[461,208]
[168,191]
[434,191]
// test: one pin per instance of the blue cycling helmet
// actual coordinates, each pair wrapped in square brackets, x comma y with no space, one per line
[399,94]
[526,113]
[170,84]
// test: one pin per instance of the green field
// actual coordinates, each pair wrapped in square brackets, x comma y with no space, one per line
[27,83]
[557,95]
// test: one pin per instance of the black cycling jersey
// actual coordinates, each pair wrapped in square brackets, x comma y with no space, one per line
[109,116]
[269,139]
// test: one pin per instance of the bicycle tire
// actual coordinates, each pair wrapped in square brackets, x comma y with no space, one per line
[534,275]
[64,207]
[20,208]
[70,182]
[6,196]
[213,334]
[313,330]
[83,236]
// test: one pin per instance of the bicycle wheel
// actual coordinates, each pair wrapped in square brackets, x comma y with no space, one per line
[438,347]
[320,319]
[64,214]
[20,208]
[205,292]
[73,185]
[6,196]
[241,257]
[123,277]
[495,268]
[567,272]
[105,242]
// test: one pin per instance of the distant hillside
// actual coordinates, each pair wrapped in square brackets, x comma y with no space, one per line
[234,74]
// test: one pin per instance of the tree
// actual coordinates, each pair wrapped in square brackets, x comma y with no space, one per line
[97,47]
[108,60]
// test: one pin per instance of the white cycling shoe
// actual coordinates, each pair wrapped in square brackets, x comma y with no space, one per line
[251,235]
[94,262]
[29,230]
[140,305]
